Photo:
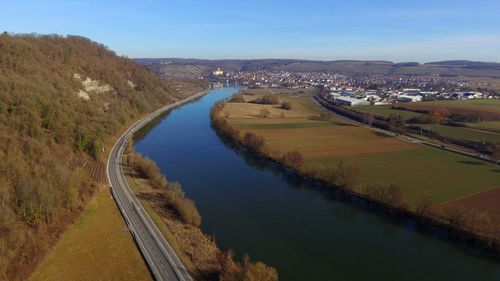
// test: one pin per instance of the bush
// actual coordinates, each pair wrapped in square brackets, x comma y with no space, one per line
[253,142]
[237,98]
[348,176]
[259,272]
[264,113]
[268,99]
[150,170]
[390,194]
[292,159]
[174,197]
[286,105]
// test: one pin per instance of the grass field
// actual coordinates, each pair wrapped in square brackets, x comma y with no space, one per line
[490,105]
[484,131]
[418,169]
[386,110]
[492,126]
[475,134]
[96,247]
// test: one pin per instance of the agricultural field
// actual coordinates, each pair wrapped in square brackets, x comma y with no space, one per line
[419,170]
[473,134]
[480,132]
[386,110]
[482,202]
[492,126]
[486,105]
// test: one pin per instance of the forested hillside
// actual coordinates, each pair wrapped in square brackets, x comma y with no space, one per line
[61,98]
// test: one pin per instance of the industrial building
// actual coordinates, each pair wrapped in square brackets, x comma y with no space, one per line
[351,101]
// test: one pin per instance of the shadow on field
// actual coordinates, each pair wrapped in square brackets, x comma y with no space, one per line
[380,134]
[496,171]
[469,162]
[338,123]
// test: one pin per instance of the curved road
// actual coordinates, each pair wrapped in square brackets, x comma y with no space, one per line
[160,257]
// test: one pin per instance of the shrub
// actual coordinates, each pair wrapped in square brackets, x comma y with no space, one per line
[174,197]
[264,113]
[150,170]
[390,194]
[253,142]
[286,105]
[348,175]
[237,98]
[268,99]
[292,159]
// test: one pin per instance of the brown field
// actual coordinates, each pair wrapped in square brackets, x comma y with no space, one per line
[483,202]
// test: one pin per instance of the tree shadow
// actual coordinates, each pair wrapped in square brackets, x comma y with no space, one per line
[469,162]
[339,123]
[380,134]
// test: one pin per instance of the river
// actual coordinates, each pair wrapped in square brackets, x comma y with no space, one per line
[258,209]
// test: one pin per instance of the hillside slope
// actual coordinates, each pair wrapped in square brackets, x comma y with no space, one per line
[61,99]
[194,68]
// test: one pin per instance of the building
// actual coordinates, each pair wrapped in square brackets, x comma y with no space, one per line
[351,101]
[410,98]
[218,72]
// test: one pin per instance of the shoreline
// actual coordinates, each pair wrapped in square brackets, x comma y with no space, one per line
[433,224]
[120,144]
[231,270]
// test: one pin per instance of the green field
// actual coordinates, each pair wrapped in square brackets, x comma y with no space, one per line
[492,126]
[442,175]
[386,110]
[464,133]
[419,170]
[492,105]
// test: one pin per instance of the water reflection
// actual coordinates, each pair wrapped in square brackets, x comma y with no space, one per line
[305,230]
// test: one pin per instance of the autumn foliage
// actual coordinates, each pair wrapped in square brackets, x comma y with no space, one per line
[44,124]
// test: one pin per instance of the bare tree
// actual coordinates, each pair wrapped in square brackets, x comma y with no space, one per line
[368,118]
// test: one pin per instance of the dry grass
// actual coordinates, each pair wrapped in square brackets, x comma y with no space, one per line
[96,247]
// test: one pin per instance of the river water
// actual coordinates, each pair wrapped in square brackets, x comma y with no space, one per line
[300,229]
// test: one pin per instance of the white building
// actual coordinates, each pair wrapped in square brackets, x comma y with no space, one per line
[351,101]
[218,72]
[410,98]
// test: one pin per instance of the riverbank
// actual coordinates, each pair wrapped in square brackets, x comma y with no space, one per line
[176,215]
[263,138]
[166,203]
[252,206]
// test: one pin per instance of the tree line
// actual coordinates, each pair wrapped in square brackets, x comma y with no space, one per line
[346,176]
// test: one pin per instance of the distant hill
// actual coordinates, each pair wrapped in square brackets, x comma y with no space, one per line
[61,101]
[468,64]
[194,67]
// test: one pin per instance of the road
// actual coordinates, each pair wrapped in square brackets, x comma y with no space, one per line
[411,139]
[157,252]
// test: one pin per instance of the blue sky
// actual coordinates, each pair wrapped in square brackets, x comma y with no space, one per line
[396,30]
